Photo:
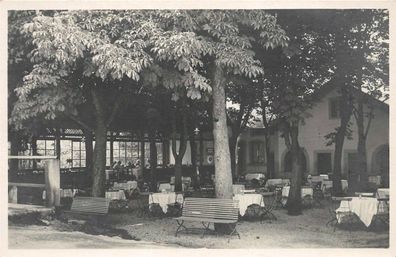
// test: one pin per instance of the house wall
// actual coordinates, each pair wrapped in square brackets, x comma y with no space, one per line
[207,153]
[248,137]
[318,124]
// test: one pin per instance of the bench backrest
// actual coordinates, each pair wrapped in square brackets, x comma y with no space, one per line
[91,205]
[211,208]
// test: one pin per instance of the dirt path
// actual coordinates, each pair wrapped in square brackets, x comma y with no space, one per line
[41,237]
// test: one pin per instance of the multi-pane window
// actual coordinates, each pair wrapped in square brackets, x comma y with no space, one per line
[159,146]
[26,164]
[46,147]
[257,152]
[78,154]
[72,154]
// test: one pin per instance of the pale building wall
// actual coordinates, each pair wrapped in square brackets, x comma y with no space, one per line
[312,132]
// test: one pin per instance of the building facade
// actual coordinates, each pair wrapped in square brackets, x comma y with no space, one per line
[322,119]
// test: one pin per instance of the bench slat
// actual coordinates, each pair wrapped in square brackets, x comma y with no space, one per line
[90,205]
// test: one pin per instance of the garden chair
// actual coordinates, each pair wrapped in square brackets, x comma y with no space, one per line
[383,210]
[268,207]
[340,211]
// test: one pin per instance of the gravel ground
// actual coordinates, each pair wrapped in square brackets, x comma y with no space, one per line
[304,231]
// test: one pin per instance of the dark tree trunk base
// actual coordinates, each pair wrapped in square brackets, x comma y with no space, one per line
[294,209]
[224,229]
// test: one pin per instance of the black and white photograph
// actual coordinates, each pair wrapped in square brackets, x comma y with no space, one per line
[197,128]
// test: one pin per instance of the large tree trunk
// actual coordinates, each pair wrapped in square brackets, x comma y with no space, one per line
[88,154]
[361,147]
[222,162]
[178,154]
[142,156]
[294,206]
[345,113]
[178,173]
[153,163]
[33,145]
[193,147]
[268,157]
[233,144]
[99,159]
[13,169]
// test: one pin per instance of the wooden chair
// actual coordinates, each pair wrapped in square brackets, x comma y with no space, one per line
[268,207]
[206,211]
[335,210]
[383,211]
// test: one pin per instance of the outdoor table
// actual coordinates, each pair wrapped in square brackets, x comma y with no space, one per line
[305,191]
[324,176]
[257,176]
[115,195]
[165,187]
[326,184]
[364,207]
[125,186]
[273,182]
[315,179]
[165,198]
[236,189]
[383,193]
[248,199]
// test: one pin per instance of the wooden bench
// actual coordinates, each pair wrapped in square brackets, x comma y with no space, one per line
[206,211]
[91,206]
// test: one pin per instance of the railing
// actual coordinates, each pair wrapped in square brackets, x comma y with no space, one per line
[52,180]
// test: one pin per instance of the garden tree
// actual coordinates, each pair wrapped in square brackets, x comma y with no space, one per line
[81,57]
[292,76]
[360,55]
[18,48]
[152,125]
[85,56]
[180,116]
[368,42]
[242,93]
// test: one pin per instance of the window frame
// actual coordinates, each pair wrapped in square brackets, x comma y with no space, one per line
[254,152]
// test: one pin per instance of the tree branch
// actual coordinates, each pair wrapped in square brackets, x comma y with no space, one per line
[79,122]
[113,113]
[369,123]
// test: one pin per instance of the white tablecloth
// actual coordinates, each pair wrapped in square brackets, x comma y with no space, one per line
[273,182]
[248,199]
[165,187]
[116,195]
[257,176]
[365,208]
[326,184]
[237,189]
[125,186]
[304,191]
[163,199]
